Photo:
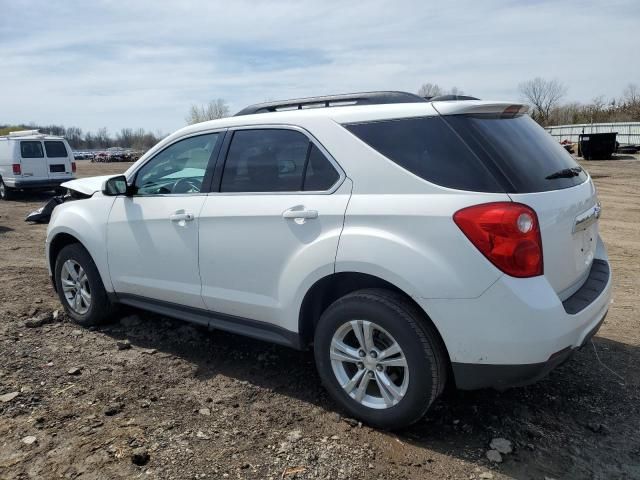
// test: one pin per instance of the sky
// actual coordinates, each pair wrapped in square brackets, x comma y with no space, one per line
[133,64]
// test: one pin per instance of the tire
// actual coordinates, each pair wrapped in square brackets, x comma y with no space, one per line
[99,306]
[392,317]
[6,193]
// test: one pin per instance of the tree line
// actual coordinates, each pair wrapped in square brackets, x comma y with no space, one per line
[137,139]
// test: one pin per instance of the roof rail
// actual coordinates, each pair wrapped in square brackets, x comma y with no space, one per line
[345,99]
[442,98]
[24,133]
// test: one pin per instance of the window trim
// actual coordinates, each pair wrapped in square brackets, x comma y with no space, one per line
[208,173]
[32,141]
[222,161]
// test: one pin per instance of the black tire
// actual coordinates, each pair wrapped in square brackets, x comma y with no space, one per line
[100,307]
[420,342]
[6,193]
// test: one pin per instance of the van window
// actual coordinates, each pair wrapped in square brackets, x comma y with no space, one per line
[275,160]
[55,149]
[31,149]
[430,149]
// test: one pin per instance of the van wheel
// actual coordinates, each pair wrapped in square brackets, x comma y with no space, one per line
[380,358]
[6,193]
[80,287]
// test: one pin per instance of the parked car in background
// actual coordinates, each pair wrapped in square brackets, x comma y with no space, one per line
[30,160]
[410,243]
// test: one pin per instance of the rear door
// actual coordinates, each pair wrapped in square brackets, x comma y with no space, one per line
[535,170]
[274,223]
[59,159]
[33,163]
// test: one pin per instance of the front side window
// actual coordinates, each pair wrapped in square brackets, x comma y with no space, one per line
[55,149]
[275,160]
[31,149]
[179,168]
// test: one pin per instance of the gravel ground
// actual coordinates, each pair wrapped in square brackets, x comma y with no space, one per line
[149,397]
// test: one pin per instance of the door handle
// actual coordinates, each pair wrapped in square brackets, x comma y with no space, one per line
[181,217]
[302,214]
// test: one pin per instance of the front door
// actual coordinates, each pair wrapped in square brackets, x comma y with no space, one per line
[152,236]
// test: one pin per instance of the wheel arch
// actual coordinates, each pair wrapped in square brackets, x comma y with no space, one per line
[331,287]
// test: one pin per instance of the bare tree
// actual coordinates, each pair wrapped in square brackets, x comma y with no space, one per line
[631,94]
[543,95]
[429,90]
[455,91]
[213,110]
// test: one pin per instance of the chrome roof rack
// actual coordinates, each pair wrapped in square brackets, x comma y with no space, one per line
[345,99]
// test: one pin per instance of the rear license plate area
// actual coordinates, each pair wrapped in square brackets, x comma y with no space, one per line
[57,168]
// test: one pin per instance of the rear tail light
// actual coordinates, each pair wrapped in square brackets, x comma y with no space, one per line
[73,167]
[507,233]
[16,169]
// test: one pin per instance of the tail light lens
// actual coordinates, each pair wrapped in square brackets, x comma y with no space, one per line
[16,169]
[507,233]
[73,167]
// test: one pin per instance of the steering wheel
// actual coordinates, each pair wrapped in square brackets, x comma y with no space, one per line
[187,185]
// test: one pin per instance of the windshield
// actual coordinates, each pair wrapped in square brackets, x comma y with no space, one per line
[521,154]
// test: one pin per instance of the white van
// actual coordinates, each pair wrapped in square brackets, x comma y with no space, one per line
[30,160]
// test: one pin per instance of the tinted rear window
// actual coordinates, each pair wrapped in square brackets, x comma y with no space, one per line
[31,149]
[520,152]
[430,149]
[55,149]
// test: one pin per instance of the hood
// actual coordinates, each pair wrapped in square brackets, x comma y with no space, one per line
[87,186]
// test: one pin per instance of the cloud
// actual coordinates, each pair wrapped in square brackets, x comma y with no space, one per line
[130,64]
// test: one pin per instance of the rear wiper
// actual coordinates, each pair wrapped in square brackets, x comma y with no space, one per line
[565,173]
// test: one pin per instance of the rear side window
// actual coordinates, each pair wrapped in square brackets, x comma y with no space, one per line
[430,149]
[522,154]
[275,160]
[31,149]
[55,149]
[320,174]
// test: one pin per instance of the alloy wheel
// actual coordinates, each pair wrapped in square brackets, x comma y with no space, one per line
[75,285]
[369,364]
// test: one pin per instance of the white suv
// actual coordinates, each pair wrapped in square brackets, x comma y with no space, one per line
[409,242]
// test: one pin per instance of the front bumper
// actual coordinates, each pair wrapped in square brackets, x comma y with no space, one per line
[519,330]
[38,184]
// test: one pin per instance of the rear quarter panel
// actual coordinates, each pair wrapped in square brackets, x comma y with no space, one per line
[412,242]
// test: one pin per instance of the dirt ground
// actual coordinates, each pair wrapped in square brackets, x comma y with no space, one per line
[185,403]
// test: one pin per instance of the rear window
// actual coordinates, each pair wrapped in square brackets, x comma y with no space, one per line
[55,149]
[523,156]
[31,149]
[430,149]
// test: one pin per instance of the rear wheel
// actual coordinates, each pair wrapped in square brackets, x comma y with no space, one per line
[80,287]
[6,193]
[380,358]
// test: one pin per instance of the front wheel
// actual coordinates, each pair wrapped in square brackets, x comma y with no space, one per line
[380,358]
[80,287]
[6,193]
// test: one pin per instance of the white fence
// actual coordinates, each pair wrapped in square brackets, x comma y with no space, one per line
[628,132]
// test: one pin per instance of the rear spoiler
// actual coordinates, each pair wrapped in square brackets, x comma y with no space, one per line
[471,107]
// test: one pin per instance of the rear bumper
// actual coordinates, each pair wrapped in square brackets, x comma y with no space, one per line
[470,376]
[25,184]
[519,330]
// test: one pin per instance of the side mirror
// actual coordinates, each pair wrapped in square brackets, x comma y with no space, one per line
[115,186]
